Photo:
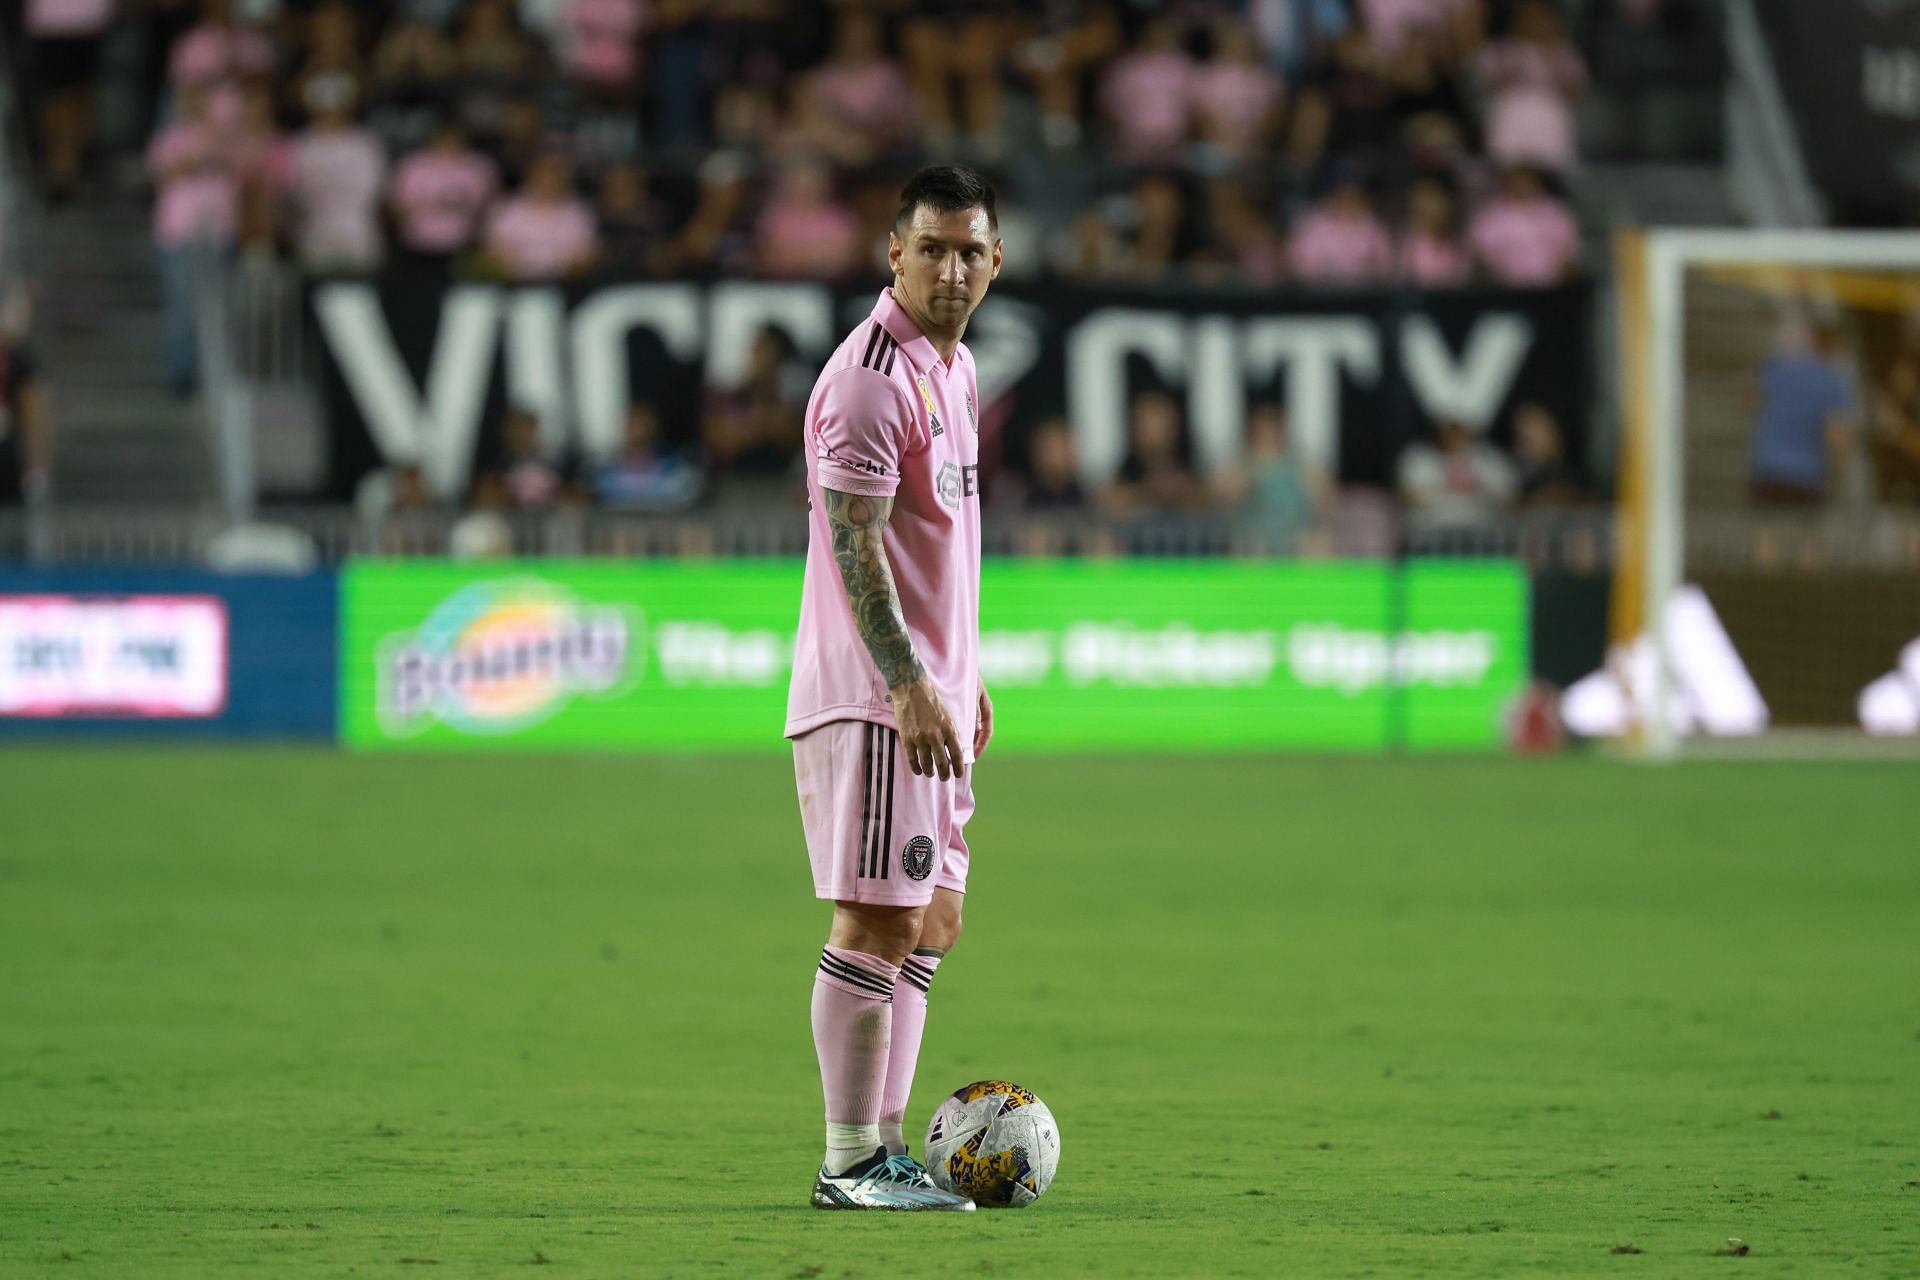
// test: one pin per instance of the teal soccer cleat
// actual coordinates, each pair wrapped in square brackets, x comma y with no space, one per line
[899,1183]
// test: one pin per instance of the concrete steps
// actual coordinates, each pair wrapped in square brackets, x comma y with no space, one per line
[121,439]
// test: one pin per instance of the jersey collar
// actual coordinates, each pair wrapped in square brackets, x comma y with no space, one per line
[900,326]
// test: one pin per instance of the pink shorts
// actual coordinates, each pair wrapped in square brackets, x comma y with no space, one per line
[876,831]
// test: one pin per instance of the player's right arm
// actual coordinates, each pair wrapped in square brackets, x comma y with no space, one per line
[927,736]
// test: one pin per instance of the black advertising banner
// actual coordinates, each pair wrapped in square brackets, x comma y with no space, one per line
[418,369]
[1850,73]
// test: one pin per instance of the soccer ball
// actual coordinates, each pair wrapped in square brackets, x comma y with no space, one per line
[994,1143]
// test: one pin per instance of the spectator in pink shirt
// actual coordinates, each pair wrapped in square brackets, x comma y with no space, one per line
[1148,95]
[805,231]
[1532,79]
[219,49]
[1341,241]
[196,211]
[1524,237]
[545,232]
[1450,27]
[858,105]
[1236,98]
[336,175]
[63,60]
[1431,254]
[439,193]
[599,43]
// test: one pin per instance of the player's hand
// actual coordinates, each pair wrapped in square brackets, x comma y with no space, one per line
[983,726]
[927,734]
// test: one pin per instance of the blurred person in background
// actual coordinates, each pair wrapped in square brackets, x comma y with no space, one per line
[1048,493]
[1051,482]
[1548,478]
[337,171]
[26,429]
[495,70]
[753,431]
[1274,493]
[960,49]
[1805,419]
[440,193]
[1245,246]
[1432,253]
[599,45]
[333,57]
[1142,235]
[525,477]
[633,222]
[1147,95]
[1532,79]
[716,236]
[1341,241]
[856,106]
[544,231]
[491,47]
[62,66]
[410,81]
[648,474]
[1458,481]
[1238,101]
[1057,57]
[1525,237]
[1896,431]
[804,231]
[195,164]
[1156,477]
[1296,33]
[1451,28]
[217,50]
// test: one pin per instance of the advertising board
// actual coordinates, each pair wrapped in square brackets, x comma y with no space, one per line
[1081,655]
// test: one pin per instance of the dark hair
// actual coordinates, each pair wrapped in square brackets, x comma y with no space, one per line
[947,188]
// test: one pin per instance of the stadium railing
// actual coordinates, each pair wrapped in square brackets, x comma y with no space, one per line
[1578,540]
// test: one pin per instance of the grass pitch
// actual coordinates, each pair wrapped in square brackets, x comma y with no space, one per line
[293,1013]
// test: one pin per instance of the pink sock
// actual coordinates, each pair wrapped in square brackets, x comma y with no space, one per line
[909,1022]
[852,1033]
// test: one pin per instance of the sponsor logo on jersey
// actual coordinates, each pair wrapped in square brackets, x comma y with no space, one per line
[496,657]
[957,482]
[917,858]
[926,398]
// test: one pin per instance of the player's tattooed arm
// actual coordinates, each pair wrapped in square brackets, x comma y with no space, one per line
[857,522]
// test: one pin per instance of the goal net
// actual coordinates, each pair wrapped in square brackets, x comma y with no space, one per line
[1768,583]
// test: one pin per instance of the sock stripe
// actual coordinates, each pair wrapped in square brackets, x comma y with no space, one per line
[852,978]
[834,967]
[917,972]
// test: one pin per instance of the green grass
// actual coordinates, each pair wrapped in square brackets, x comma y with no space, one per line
[287,1013]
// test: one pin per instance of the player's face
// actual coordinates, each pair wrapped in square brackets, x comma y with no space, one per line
[945,262]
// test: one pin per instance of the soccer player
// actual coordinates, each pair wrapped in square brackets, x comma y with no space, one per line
[886,709]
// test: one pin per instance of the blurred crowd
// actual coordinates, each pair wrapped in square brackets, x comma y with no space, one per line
[1340,143]
[1332,142]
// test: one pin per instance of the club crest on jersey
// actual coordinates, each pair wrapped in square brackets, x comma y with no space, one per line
[917,858]
[926,398]
[972,419]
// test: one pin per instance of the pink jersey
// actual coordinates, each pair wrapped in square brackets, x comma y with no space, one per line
[888,418]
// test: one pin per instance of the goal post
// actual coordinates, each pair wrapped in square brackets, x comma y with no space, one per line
[1701,313]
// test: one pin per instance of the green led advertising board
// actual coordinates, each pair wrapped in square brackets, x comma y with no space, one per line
[1080,655]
